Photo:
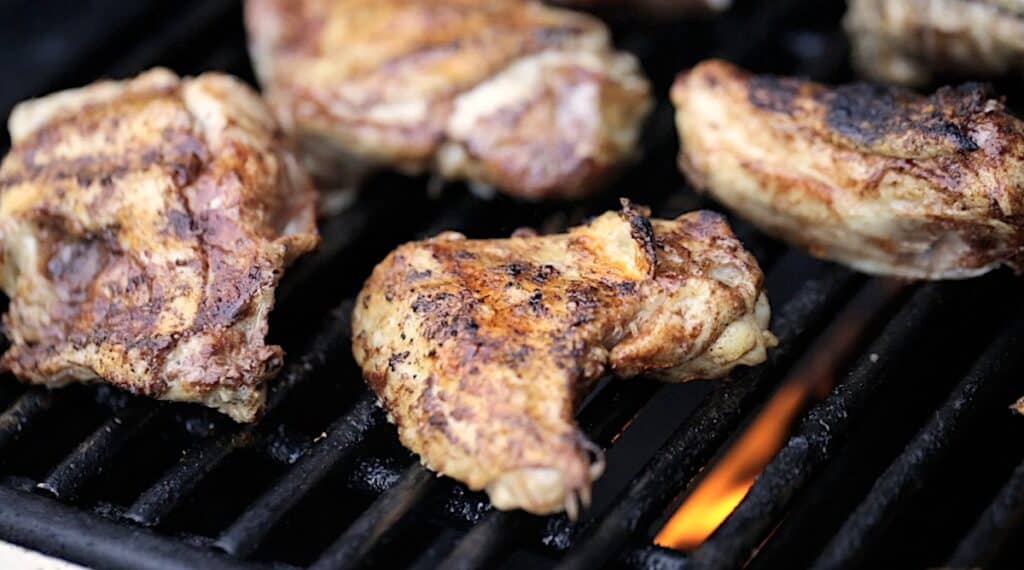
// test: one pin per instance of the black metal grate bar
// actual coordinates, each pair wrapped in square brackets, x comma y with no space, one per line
[696,441]
[89,458]
[817,437]
[380,518]
[53,528]
[652,556]
[247,532]
[176,485]
[995,526]
[484,542]
[20,416]
[925,452]
[436,552]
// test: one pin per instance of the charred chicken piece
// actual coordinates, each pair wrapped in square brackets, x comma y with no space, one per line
[480,349]
[881,179]
[144,226]
[907,41]
[504,93]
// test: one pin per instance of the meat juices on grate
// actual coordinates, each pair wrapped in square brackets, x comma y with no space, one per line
[145,224]
[516,95]
[480,349]
[879,178]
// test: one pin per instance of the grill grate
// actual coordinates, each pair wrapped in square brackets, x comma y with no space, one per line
[923,455]
[105,479]
[816,438]
[996,525]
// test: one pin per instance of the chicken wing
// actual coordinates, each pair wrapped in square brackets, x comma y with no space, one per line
[505,93]
[906,41]
[480,349]
[881,179]
[144,226]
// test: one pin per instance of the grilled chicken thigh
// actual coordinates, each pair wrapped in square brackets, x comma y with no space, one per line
[480,349]
[144,225]
[906,41]
[881,179]
[505,93]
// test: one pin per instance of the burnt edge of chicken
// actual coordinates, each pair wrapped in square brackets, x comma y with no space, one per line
[879,178]
[480,350]
[144,226]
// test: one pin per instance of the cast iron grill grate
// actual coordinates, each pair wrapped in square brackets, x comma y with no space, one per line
[910,460]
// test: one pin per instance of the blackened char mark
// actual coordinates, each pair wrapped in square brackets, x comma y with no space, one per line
[181,223]
[866,114]
[640,228]
[545,272]
[515,268]
[397,358]
[537,303]
[428,303]
[772,93]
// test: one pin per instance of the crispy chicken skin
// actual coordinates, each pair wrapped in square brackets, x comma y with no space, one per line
[505,93]
[144,226]
[881,179]
[906,41]
[480,349]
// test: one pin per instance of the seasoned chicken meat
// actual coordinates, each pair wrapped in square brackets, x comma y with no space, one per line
[144,226]
[503,93]
[881,179]
[480,349]
[906,41]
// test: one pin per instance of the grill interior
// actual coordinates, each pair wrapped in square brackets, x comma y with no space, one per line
[913,459]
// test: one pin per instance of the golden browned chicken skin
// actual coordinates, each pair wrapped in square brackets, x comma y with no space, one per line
[881,179]
[144,225]
[505,93]
[480,349]
[908,41]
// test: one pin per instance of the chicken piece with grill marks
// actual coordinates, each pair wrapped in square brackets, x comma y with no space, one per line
[479,350]
[909,41]
[144,226]
[881,179]
[510,94]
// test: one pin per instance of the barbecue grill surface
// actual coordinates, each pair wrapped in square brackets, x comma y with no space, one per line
[914,459]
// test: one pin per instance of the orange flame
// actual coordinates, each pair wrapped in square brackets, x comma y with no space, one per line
[728,483]
[718,494]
